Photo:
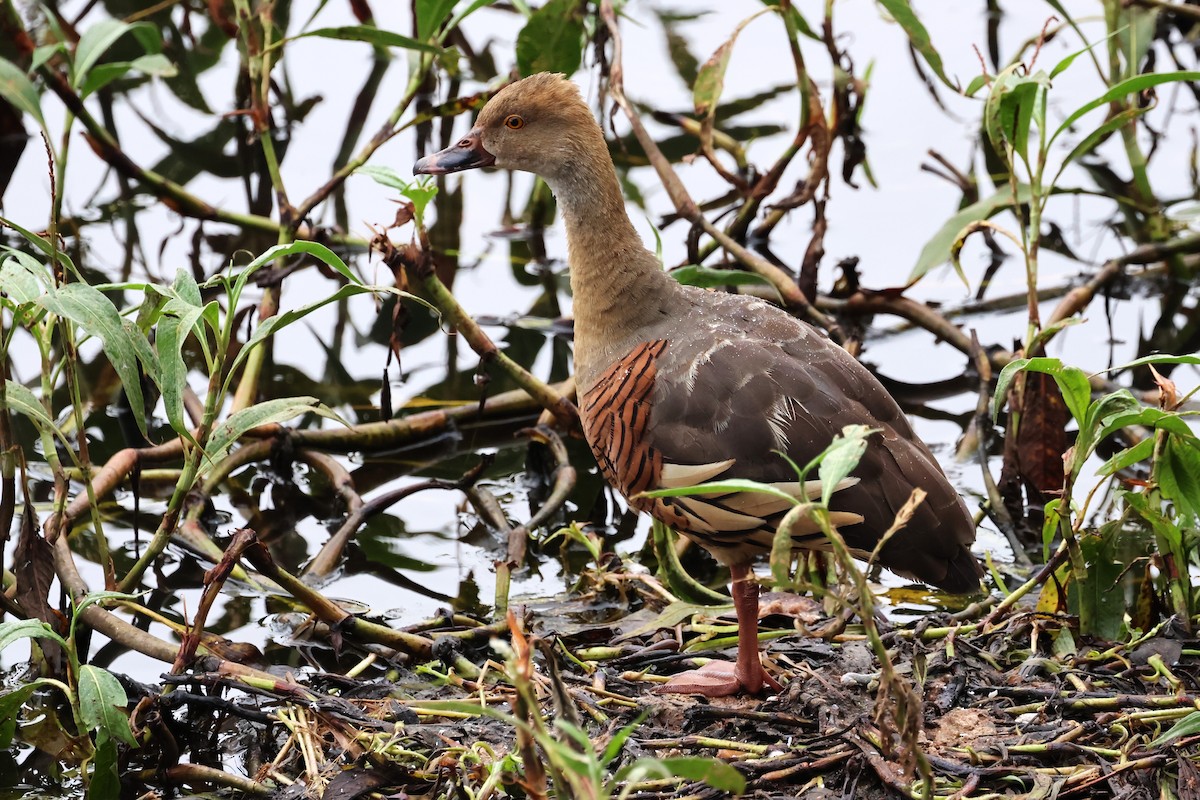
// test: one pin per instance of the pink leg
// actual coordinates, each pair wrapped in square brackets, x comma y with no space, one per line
[720,678]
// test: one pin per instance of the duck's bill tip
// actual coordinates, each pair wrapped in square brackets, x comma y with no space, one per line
[467,154]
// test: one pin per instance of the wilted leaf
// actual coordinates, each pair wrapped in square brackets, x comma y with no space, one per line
[1042,434]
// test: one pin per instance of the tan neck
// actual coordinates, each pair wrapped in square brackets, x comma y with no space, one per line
[619,287]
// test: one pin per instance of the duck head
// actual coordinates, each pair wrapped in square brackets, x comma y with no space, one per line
[539,124]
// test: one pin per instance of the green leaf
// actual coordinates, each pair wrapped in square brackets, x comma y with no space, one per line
[24,278]
[374,36]
[672,573]
[430,16]
[1072,383]
[266,413]
[93,43]
[1090,141]
[43,53]
[102,702]
[22,400]
[1179,477]
[179,321]
[274,324]
[720,487]
[938,249]
[708,277]
[10,709]
[1188,726]
[797,19]
[1123,89]
[977,83]
[105,780]
[15,630]
[841,457]
[154,65]
[716,773]
[420,191]
[1141,451]
[552,39]
[902,12]
[617,742]
[16,88]
[467,11]
[123,343]
[314,249]
[42,244]
[713,771]
[1158,358]
[97,597]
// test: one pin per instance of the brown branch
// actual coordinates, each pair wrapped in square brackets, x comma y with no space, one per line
[684,205]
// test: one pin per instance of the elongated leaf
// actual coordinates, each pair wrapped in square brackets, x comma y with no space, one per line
[902,12]
[97,597]
[273,325]
[841,457]
[1072,382]
[10,709]
[1179,477]
[1188,726]
[721,487]
[105,780]
[16,88]
[123,343]
[372,35]
[716,773]
[24,278]
[708,277]
[314,249]
[617,742]
[177,323]
[271,411]
[15,630]
[938,249]
[155,65]
[802,26]
[102,702]
[93,43]
[1158,358]
[1128,457]
[23,401]
[552,39]
[710,82]
[1090,141]
[1123,89]
[430,16]
[42,244]
[467,11]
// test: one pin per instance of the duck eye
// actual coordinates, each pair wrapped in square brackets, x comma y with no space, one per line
[514,122]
